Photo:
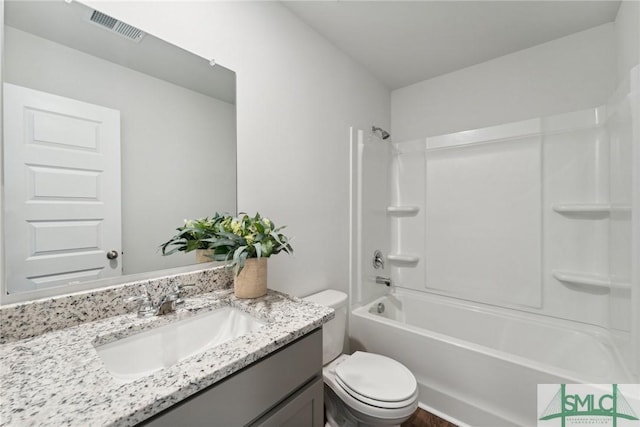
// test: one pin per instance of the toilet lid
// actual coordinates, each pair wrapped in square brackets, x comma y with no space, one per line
[376,377]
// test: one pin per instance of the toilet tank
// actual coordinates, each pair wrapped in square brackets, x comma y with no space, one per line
[333,331]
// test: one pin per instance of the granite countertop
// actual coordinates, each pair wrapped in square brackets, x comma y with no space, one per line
[57,378]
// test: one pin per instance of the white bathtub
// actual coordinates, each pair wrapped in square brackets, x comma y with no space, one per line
[478,365]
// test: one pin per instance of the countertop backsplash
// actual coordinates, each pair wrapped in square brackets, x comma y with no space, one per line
[33,318]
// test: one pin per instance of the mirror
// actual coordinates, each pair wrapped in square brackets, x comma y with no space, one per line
[77,84]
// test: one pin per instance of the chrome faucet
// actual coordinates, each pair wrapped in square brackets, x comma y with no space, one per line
[168,303]
[177,291]
[145,307]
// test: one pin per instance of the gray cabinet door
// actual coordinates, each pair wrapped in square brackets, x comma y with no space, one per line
[304,409]
[256,390]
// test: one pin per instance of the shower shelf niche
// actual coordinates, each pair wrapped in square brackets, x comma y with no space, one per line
[584,279]
[600,209]
[403,210]
[400,260]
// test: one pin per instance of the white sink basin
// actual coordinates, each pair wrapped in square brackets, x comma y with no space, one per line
[139,355]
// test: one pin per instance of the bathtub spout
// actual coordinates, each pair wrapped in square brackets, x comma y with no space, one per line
[383,280]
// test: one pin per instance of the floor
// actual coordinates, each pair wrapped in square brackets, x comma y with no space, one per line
[422,418]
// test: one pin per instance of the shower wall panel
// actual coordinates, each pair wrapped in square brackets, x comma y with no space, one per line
[373,158]
[576,216]
[517,215]
[483,222]
[619,128]
[408,230]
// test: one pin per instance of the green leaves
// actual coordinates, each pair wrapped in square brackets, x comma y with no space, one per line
[258,247]
[233,239]
[194,234]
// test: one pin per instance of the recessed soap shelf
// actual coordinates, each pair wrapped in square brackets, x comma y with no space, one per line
[401,260]
[585,279]
[589,208]
[403,210]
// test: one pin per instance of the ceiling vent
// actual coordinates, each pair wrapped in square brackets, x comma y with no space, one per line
[114,26]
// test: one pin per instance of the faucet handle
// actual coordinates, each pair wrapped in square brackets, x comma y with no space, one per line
[178,288]
[145,307]
[378,259]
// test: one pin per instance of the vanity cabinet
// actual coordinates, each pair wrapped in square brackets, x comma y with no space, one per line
[282,389]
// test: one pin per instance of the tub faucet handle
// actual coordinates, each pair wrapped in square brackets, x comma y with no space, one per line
[378,259]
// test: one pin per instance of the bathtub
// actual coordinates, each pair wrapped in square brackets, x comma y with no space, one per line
[478,365]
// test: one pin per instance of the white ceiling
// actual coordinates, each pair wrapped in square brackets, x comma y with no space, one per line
[404,42]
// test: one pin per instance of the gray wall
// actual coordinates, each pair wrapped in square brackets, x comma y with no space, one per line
[567,74]
[297,95]
[178,146]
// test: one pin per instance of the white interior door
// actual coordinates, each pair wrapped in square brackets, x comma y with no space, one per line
[62,190]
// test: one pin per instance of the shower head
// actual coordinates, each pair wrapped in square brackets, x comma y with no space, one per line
[380,132]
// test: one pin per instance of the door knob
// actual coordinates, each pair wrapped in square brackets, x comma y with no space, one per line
[112,254]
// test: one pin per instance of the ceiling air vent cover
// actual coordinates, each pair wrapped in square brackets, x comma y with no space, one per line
[113,25]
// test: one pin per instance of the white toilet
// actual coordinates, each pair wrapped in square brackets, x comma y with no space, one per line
[363,389]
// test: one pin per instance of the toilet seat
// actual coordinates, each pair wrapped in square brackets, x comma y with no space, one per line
[377,380]
[378,409]
[373,402]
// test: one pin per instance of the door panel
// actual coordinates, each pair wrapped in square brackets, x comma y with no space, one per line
[62,183]
[62,190]
[58,129]
[64,236]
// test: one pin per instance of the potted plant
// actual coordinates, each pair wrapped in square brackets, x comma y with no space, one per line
[194,235]
[244,242]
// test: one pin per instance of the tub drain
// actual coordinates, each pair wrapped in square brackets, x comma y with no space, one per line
[380,308]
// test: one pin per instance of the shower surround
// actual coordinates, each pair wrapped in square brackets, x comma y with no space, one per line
[510,256]
[511,246]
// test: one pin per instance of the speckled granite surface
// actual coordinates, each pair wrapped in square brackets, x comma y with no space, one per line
[24,320]
[57,378]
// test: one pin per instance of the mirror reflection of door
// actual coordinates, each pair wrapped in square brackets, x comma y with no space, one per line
[62,187]
[177,133]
